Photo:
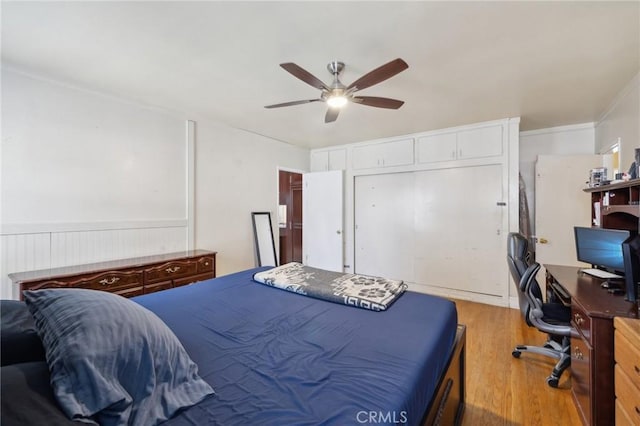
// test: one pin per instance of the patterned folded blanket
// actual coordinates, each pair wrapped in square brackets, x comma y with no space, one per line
[362,291]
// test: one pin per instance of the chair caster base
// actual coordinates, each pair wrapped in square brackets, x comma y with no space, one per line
[553,381]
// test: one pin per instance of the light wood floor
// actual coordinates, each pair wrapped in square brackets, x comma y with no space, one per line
[502,390]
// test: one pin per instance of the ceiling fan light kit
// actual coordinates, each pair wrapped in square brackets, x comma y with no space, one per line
[337,95]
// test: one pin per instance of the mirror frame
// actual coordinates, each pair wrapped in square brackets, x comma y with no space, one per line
[263,239]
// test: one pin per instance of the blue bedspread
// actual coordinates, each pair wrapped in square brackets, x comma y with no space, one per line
[279,358]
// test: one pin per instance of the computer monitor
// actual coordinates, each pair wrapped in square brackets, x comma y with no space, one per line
[602,248]
[631,255]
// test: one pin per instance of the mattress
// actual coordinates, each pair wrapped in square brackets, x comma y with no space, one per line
[279,358]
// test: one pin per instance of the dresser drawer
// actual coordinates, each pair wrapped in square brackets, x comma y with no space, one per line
[193,279]
[622,417]
[628,357]
[162,285]
[170,271]
[130,292]
[627,394]
[206,264]
[107,281]
[581,321]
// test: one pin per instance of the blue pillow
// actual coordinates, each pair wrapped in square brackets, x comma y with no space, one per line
[19,341]
[111,360]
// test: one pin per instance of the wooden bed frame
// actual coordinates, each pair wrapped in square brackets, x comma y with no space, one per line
[447,405]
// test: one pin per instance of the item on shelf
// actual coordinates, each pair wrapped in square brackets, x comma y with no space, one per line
[598,177]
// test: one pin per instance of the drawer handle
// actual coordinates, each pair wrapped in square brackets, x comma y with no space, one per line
[577,353]
[578,319]
[109,281]
[173,269]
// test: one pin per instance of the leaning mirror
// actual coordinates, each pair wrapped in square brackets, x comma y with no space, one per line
[263,236]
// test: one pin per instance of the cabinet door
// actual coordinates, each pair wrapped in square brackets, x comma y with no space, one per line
[384,154]
[319,161]
[397,153]
[366,157]
[337,159]
[431,149]
[483,142]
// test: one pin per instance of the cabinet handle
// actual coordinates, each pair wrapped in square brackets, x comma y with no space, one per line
[109,281]
[637,410]
[171,270]
[637,369]
[578,319]
[577,353]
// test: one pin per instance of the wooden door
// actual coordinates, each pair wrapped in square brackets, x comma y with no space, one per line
[290,226]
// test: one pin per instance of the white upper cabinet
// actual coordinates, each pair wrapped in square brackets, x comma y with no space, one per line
[334,159]
[431,149]
[482,142]
[383,154]
[475,143]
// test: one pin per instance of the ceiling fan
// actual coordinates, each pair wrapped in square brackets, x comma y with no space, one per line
[338,95]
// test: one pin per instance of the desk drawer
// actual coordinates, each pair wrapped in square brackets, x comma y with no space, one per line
[581,321]
[581,355]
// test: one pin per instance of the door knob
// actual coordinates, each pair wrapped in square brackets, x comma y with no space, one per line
[543,240]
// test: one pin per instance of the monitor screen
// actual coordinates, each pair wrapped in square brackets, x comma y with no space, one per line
[601,247]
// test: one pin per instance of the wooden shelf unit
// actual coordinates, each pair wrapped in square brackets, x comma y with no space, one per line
[619,205]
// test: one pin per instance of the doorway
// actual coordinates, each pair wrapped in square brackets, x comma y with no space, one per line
[290,216]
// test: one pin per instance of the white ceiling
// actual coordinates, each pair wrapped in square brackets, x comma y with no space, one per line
[551,63]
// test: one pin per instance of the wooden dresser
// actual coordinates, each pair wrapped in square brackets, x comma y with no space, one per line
[627,371]
[126,277]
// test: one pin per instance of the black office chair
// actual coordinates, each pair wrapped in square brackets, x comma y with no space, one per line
[550,318]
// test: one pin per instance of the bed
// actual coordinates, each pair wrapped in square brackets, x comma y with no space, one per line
[276,358]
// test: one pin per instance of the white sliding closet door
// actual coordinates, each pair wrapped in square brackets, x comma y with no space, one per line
[384,225]
[441,228]
[459,229]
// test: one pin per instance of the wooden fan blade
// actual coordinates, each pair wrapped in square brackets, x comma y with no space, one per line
[331,115]
[380,74]
[304,75]
[285,104]
[377,102]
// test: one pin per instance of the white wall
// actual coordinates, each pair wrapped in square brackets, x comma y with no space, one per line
[564,140]
[237,173]
[621,120]
[88,177]
[75,156]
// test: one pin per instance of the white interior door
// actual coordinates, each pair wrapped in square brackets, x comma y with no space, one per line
[322,220]
[561,204]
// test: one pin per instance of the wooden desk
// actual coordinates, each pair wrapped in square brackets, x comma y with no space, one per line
[592,360]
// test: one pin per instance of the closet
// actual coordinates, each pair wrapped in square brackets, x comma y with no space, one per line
[433,209]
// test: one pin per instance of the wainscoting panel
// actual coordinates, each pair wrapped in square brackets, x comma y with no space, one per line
[26,252]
